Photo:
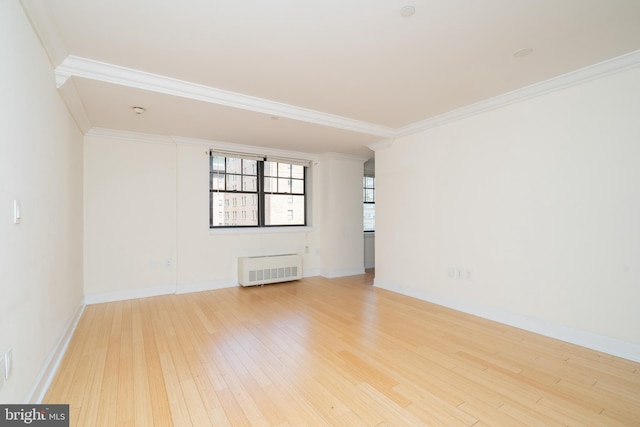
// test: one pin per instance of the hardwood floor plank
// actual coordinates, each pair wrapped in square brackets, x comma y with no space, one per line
[176,399]
[328,352]
[232,409]
[90,399]
[433,409]
[125,409]
[143,412]
[159,397]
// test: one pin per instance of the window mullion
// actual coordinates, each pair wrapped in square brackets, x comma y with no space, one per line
[261,198]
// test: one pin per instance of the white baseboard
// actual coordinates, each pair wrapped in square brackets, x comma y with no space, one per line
[311,273]
[48,371]
[190,287]
[332,274]
[206,286]
[612,346]
[129,294]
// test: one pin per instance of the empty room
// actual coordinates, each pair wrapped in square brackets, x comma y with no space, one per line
[367,212]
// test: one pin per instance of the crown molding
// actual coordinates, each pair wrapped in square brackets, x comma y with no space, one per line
[61,79]
[582,75]
[109,73]
[381,145]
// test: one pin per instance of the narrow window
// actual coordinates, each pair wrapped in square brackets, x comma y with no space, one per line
[369,199]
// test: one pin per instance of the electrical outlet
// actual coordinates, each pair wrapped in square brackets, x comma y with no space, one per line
[451,271]
[8,364]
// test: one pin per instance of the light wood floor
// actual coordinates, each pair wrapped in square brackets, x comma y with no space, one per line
[329,352]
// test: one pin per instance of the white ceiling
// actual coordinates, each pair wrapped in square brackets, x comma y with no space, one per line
[338,74]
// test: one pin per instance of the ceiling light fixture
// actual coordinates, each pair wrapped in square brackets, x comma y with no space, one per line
[523,52]
[407,11]
[139,110]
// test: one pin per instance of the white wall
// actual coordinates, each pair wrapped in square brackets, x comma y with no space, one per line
[41,166]
[147,221]
[130,216]
[342,246]
[539,199]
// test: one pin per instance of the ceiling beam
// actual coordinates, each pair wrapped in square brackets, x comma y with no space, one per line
[74,66]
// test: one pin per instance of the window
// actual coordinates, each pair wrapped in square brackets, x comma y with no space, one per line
[284,183]
[271,189]
[369,199]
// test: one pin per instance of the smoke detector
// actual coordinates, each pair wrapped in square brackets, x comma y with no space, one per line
[407,11]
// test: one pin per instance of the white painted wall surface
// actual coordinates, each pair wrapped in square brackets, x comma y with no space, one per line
[147,222]
[539,199]
[41,166]
[130,216]
[342,246]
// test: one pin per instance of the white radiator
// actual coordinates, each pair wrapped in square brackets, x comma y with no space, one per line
[260,270]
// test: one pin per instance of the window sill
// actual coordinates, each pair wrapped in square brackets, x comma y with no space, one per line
[260,230]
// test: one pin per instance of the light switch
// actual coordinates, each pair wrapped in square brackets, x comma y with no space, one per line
[8,363]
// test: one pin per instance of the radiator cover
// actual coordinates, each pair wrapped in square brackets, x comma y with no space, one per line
[260,270]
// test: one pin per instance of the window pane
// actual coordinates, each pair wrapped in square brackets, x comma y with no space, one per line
[270,169]
[249,183]
[368,181]
[284,185]
[369,217]
[297,171]
[280,211]
[217,212]
[233,211]
[233,184]
[284,170]
[249,167]
[217,164]
[270,185]
[368,195]
[217,181]
[234,165]
[297,186]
